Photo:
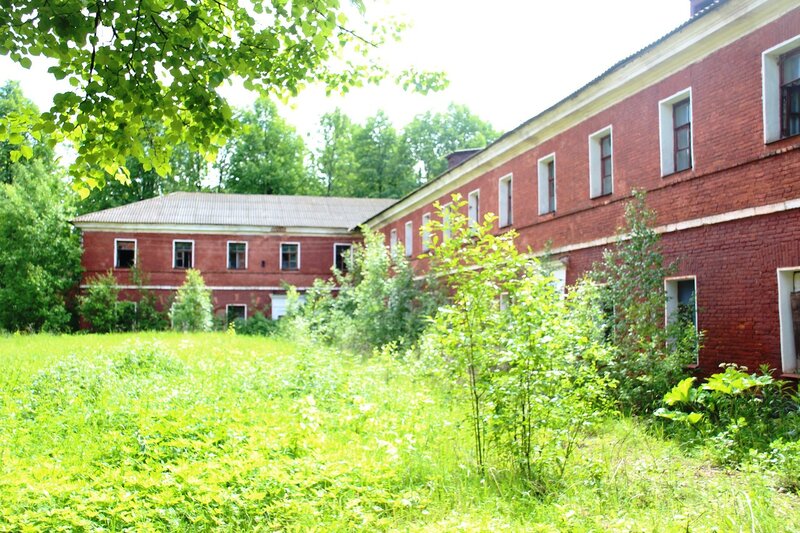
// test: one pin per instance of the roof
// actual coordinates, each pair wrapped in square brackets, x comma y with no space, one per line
[561,103]
[256,210]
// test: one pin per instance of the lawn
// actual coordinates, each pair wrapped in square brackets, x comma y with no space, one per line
[226,432]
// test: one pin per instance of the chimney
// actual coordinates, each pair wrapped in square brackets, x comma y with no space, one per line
[459,156]
[699,5]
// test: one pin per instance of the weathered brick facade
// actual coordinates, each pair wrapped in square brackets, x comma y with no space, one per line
[731,220]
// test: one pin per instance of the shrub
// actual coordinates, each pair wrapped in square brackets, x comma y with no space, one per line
[649,357]
[733,412]
[192,309]
[257,324]
[525,356]
[378,300]
[98,306]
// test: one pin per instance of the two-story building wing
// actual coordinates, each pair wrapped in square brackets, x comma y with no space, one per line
[248,247]
[707,121]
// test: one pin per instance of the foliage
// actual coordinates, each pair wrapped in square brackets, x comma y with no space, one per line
[649,356]
[141,68]
[385,166]
[335,162]
[13,108]
[378,301]
[39,251]
[256,324]
[192,309]
[98,306]
[432,136]
[526,357]
[148,432]
[734,412]
[265,155]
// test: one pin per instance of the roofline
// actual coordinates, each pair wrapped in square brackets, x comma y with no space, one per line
[662,58]
[210,229]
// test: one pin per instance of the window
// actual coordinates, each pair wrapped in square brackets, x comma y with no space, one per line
[426,234]
[474,207]
[182,254]
[124,253]
[547,184]
[235,312]
[290,256]
[681,302]
[675,117]
[789,317]
[409,241]
[447,232]
[600,163]
[237,255]
[341,256]
[781,90]
[393,241]
[506,207]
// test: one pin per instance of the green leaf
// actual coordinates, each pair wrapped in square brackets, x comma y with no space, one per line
[681,393]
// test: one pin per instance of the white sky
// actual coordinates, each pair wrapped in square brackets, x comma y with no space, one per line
[506,60]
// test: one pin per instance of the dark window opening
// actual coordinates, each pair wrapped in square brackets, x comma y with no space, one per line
[183,254]
[237,255]
[682,124]
[236,312]
[342,256]
[790,94]
[605,165]
[126,254]
[290,256]
[551,186]
[686,302]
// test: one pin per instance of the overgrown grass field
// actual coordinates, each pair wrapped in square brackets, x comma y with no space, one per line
[165,432]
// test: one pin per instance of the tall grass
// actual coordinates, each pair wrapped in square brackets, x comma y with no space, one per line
[220,432]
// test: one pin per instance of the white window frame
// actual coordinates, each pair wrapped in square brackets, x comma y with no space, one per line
[228,306]
[544,208]
[447,233]
[194,255]
[505,201]
[666,126]
[135,253]
[474,207]
[426,234]
[337,244]
[393,240]
[671,304]
[280,257]
[771,85]
[228,254]
[790,359]
[596,164]
[409,238]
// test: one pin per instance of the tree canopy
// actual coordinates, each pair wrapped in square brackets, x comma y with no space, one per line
[145,74]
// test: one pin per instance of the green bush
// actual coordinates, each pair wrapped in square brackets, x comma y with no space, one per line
[378,301]
[525,357]
[257,324]
[98,307]
[733,413]
[192,309]
[648,357]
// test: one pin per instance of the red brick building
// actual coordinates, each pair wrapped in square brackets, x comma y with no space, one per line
[707,121]
[248,247]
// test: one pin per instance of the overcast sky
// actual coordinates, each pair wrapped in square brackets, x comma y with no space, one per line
[506,60]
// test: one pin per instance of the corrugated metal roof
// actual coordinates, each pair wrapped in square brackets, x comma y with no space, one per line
[242,210]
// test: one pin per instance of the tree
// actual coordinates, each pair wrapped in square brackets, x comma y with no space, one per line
[335,163]
[266,156]
[40,253]
[14,105]
[147,67]
[192,309]
[384,162]
[431,136]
